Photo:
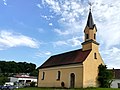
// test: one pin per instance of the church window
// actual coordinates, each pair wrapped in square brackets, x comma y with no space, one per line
[95,56]
[43,75]
[58,75]
[94,36]
[87,36]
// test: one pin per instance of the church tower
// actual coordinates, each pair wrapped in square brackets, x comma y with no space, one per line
[90,34]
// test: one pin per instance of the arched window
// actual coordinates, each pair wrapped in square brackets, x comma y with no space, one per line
[58,75]
[43,76]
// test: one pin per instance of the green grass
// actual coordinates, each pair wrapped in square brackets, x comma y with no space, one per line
[36,88]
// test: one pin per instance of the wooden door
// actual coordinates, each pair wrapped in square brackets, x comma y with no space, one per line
[72,80]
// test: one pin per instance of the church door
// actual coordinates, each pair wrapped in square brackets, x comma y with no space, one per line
[72,80]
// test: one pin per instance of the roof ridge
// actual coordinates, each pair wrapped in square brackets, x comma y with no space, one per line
[66,52]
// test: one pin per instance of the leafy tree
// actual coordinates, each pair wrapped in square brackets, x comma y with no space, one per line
[3,79]
[105,76]
[12,67]
[34,73]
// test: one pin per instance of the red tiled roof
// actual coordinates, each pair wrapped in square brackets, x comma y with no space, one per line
[23,76]
[72,57]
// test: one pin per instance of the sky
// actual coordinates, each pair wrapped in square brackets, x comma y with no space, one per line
[33,30]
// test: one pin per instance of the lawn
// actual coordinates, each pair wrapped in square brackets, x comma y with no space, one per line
[35,88]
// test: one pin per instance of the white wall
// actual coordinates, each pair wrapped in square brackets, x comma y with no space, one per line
[13,79]
[115,82]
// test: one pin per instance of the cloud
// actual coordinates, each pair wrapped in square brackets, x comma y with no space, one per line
[5,2]
[40,30]
[70,13]
[60,43]
[70,29]
[39,6]
[47,17]
[52,4]
[50,24]
[68,9]
[47,53]
[60,32]
[73,15]
[10,39]
[74,42]
[112,57]
[43,53]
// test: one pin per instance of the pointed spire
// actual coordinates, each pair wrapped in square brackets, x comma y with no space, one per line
[90,22]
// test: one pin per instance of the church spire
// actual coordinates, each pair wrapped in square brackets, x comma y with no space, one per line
[90,34]
[90,22]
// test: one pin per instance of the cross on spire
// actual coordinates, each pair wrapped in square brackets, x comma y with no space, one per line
[90,4]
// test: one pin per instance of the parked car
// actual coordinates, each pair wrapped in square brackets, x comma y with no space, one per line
[7,87]
[0,87]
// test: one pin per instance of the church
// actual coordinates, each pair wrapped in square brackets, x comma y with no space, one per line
[74,69]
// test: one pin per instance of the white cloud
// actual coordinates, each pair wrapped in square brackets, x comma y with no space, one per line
[43,53]
[70,29]
[60,43]
[73,13]
[10,39]
[47,53]
[111,57]
[75,41]
[50,24]
[39,6]
[53,4]
[69,12]
[5,2]
[45,17]
[60,32]
[40,30]
[66,8]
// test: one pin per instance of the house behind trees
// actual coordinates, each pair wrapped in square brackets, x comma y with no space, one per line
[116,80]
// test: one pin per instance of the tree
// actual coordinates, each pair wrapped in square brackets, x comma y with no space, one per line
[34,73]
[105,76]
[14,67]
[3,79]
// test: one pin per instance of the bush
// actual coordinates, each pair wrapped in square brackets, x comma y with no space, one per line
[104,76]
[32,84]
[62,84]
[3,80]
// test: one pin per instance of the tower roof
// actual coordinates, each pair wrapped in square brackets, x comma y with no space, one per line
[90,22]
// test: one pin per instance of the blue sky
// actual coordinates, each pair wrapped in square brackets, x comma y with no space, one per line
[33,30]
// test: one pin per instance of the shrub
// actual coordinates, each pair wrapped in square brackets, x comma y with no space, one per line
[32,84]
